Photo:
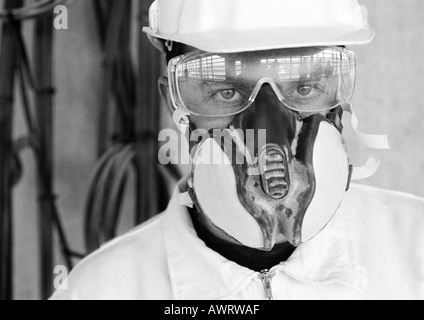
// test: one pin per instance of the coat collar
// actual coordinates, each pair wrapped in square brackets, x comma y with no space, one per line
[198,272]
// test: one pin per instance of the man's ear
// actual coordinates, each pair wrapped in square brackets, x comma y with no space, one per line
[163,86]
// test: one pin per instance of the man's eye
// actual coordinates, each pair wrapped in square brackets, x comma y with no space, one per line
[304,90]
[228,94]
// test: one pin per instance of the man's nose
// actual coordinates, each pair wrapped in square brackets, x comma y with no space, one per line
[267,113]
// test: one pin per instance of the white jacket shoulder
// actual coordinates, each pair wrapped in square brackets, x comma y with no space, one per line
[385,202]
[121,269]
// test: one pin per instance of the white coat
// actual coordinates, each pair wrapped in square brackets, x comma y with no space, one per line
[372,249]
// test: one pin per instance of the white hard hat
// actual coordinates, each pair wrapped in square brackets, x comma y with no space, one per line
[250,25]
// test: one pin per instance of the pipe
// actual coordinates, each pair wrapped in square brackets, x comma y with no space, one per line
[43,68]
[8,63]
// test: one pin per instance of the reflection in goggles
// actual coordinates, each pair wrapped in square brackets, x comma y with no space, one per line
[315,79]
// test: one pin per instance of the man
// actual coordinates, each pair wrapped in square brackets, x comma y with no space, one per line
[268,210]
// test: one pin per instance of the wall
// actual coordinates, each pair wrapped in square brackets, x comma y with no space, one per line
[77,62]
[388,99]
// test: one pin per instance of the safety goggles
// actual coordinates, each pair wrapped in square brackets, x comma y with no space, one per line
[313,79]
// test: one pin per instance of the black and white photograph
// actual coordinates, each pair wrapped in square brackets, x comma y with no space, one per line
[197,152]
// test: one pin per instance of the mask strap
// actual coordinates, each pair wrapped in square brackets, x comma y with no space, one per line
[377,142]
[182,121]
[169,45]
[185,200]
[367,170]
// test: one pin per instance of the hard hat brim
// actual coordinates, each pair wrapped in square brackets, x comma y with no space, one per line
[225,41]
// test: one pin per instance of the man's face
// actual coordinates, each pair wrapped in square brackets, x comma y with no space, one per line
[283,94]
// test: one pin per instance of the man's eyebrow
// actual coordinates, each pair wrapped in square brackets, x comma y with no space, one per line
[232,79]
[228,80]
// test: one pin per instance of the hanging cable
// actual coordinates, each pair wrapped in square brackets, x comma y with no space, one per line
[14,60]
[8,61]
[33,10]
[31,141]
[132,153]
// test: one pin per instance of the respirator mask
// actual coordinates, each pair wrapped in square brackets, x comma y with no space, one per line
[279,171]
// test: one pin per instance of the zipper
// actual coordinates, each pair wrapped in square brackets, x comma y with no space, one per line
[265,276]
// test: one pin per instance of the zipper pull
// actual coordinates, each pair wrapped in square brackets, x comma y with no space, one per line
[266,281]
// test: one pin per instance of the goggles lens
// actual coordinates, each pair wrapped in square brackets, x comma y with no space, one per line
[313,79]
